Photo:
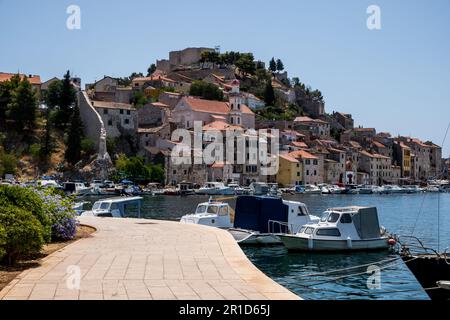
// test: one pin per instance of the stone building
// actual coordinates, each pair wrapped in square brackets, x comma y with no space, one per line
[290,171]
[118,118]
[311,165]
[344,119]
[316,127]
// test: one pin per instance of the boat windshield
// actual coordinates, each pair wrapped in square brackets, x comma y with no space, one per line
[207,209]
[303,211]
[329,217]
[101,206]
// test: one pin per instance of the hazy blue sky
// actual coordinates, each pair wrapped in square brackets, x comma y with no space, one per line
[396,79]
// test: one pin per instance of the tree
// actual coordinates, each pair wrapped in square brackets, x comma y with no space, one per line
[75,135]
[151,69]
[8,163]
[139,99]
[52,97]
[6,90]
[206,90]
[269,94]
[273,65]
[246,64]
[280,65]
[67,100]
[296,81]
[23,106]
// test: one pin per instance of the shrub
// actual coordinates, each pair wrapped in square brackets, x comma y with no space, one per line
[3,238]
[28,200]
[88,146]
[59,210]
[24,233]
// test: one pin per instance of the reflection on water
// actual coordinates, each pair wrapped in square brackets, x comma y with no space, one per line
[400,214]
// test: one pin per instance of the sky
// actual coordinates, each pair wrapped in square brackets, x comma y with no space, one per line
[396,79]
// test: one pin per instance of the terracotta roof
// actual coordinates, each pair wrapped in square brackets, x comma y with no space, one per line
[159,105]
[302,154]
[153,78]
[288,158]
[220,125]
[112,105]
[308,119]
[299,144]
[292,132]
[373,155]
[363,129]
[34,79]
[378,144]
[211,106]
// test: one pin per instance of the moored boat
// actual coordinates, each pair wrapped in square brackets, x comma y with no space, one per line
[340,229]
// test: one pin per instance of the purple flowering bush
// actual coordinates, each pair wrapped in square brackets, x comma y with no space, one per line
[60,211]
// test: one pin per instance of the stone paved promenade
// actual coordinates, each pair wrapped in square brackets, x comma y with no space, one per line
[147,259]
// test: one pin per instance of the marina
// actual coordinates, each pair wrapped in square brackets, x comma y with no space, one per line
[405,214]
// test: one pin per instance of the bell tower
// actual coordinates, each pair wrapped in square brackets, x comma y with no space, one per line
[235,100]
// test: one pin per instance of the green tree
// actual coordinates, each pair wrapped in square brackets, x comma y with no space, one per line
[52,96]
[157,173]
[151,69]
[246,64]
[88,146]
[8,163]
[23,106]
[6,90]
[139,99]
[75,135]
[67,100]
[280,65]
[206,90]
[273,65]
[133,168]
[296,81]
[269,94]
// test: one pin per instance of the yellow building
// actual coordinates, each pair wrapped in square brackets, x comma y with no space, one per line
[290,171]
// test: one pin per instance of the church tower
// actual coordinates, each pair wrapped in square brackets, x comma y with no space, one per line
[235,100]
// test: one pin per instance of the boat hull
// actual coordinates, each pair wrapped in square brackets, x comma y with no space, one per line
[246,237]
[428,270]
[295,243]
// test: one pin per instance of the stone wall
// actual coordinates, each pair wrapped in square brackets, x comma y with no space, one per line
[92,121]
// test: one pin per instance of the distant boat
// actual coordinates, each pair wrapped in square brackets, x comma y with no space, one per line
[118,207]
[77,188]
[340,229]
[312,189]
[215,188]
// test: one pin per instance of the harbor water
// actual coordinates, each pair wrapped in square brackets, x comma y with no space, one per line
[401,214]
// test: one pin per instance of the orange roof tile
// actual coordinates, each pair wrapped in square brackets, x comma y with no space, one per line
[288,158]
[34,79]
[219,125]
[302,154]
[299,144]
[213,106]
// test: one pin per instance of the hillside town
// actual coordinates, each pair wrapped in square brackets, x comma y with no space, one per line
[140,113]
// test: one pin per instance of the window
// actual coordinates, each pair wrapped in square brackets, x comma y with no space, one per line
[309,230]
[329,217]
[298,174]
[303,211]
[121,111]
[174,171]
[128,112]
[330,232]
[315,162]
[110,123]
[127,121]
[307,172]
[238,120]
[346,218]
[105,111]
[315,172]
[308,161]
[223,211]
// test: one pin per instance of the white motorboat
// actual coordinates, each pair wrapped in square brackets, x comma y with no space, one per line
[238,190]
[340,229]
[48,183]
[256,220]
[153,189]
[215,188]
[392,189]
[259,188]
[80,207]
[312,189]
[118,207]
[366,189]
[77,188]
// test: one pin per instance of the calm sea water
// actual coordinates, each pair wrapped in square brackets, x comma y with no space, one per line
[413,214]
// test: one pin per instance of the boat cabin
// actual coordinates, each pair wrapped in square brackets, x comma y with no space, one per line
[355,223]
[119,207]
[213,214]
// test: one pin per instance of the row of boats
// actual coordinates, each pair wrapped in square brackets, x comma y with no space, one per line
[263,220]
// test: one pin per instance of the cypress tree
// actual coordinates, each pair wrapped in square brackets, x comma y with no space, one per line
[75,135]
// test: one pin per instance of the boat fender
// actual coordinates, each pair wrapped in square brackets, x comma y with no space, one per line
[310,243]
[349,243]
[392,242]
